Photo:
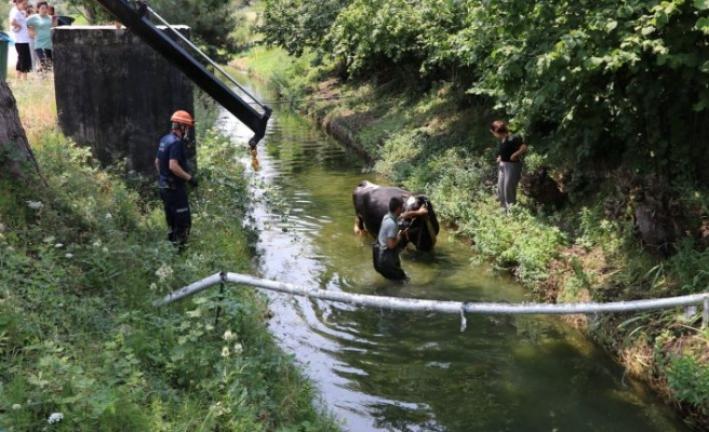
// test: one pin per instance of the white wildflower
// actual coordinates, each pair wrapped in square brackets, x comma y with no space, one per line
[108,216]
[59,245]
[55,418]
[104,249]
[35,205]
[153,286]
[238,348]
[225,351]
[49,239]
[16,407]
[164,272]
[69,255]
[229,336]
[97,243]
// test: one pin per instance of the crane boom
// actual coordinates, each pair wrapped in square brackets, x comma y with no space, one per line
[195,71]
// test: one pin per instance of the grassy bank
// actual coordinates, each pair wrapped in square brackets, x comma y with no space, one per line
[435,141]
[80,263]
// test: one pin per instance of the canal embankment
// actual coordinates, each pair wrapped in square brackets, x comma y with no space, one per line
[82,256]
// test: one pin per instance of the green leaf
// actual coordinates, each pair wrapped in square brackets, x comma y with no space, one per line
[645,31]
[701,4]
[703,25]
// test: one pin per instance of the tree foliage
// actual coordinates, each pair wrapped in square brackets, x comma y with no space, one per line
[299,24]
[212,21]
[617,82]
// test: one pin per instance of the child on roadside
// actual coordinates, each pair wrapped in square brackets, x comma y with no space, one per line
[40,26]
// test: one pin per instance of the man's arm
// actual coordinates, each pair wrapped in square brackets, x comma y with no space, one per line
[423,210]
[157,165]
[176,169]
[393,242]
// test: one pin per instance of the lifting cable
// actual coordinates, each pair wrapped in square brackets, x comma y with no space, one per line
[206,57]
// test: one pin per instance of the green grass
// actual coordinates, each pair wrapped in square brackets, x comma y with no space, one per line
[80,264]
[291,77]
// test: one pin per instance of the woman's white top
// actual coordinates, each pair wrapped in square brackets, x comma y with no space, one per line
[21,35]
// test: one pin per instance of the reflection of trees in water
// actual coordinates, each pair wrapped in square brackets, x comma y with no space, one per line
[503,373]
[424,360]
[298,146]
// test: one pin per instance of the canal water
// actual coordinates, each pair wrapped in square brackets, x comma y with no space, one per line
[400,371]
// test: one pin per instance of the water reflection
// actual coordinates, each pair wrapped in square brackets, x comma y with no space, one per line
[383,370]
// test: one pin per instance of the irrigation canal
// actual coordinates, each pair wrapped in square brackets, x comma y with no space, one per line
[380,370]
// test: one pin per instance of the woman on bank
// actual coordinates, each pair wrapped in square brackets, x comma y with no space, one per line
[18,23]
[41,27]
[510,150]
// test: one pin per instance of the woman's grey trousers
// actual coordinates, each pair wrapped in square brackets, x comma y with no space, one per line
[508,176]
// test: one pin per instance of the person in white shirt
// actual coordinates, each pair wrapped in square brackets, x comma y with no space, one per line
[18,23]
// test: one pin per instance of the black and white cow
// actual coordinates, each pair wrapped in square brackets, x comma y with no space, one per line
[371,203]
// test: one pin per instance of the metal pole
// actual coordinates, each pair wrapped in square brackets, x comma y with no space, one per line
[443,306]
[219,306]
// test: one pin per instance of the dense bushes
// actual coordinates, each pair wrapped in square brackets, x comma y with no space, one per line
[589,81]
[299,24]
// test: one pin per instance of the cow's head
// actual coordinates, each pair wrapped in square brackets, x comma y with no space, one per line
[423,230]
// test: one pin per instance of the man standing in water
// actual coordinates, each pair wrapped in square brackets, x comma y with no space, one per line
[171,164]
[385,253]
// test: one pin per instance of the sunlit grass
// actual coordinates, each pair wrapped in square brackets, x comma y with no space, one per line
[36,104]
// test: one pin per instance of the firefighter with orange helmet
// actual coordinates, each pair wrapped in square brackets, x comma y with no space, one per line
[171,164]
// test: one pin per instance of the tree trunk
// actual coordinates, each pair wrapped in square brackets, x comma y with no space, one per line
[16,157]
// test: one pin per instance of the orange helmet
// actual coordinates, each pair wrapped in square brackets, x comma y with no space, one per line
[182,117]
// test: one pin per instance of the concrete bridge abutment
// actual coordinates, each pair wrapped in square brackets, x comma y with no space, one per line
[115,94]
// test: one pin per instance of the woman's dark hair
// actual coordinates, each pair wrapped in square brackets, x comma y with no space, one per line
[499,126]
[42,3]
[395,203]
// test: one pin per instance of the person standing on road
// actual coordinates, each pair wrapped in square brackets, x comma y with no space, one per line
[385,252]
[171,164]
[510,150]
[18,23]
[41,26]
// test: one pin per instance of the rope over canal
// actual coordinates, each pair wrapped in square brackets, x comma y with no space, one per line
[442,306]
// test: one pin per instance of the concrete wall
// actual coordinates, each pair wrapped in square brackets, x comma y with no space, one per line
[115,94]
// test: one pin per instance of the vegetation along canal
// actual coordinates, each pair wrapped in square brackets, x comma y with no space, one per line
[382,370]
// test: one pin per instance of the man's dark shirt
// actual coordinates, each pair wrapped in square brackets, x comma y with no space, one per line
[171,147]
[508,146]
